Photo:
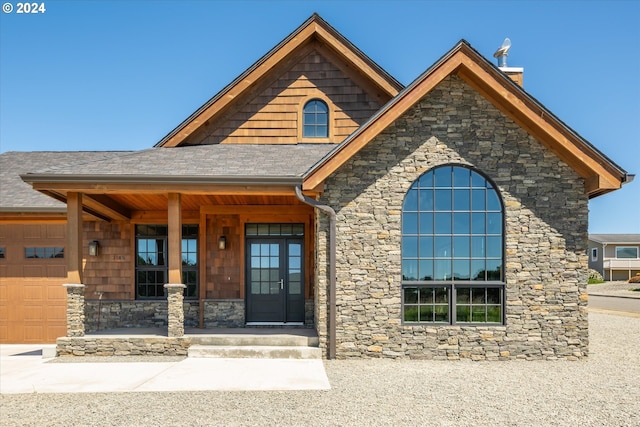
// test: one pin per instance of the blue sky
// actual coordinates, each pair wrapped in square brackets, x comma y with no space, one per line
[120,75]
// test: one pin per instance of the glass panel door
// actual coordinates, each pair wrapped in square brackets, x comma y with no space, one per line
[265,296]
[275,280]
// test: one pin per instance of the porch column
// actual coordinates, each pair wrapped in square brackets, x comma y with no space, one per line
[73,254]
[175,287]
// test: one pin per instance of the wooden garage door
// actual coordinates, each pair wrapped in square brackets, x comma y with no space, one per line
[32,271]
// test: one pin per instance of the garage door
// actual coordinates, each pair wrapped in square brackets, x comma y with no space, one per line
[32,271]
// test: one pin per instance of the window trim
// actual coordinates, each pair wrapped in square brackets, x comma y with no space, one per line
[330,118]
[594,254]
[453,285]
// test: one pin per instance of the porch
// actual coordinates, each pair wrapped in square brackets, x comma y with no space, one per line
[620,269]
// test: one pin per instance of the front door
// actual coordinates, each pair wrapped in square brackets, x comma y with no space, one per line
[275,279]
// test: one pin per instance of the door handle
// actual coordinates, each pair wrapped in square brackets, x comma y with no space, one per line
[281,284]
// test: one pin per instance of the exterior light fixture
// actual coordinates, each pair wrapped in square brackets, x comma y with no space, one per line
[93,248]
[222,243]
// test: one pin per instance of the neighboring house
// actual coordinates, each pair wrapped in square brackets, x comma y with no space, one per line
[445,219]
[615,256]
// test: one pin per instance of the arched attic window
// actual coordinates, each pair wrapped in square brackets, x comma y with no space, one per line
[315,119]
[452,249]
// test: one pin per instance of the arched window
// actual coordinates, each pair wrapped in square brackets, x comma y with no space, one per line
[452,249]
[315,119]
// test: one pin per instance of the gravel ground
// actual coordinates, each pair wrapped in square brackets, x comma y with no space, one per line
[602,391]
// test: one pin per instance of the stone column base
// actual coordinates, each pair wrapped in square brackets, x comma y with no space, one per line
[175,310]
[75,309]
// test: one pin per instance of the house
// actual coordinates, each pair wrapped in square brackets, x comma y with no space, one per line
[615,256]
[446,219]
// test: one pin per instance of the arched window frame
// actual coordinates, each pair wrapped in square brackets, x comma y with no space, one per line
[301,119]
[444,227]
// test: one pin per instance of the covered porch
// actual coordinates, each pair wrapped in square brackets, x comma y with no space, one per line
[194,239]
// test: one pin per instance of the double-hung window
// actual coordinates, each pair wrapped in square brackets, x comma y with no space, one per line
[452,249]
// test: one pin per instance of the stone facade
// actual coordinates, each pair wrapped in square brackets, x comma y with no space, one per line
[122,346]
[175,312]
[75,310]
[153,314]
[224,313]
[545,232]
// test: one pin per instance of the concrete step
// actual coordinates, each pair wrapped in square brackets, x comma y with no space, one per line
[256,340]
[255,351]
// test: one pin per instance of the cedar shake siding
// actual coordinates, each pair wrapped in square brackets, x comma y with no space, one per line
[273,115]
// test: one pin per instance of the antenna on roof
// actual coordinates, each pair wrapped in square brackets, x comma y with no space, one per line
[502,54]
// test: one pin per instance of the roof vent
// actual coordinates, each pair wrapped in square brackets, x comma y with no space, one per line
[502,54]
[514,73]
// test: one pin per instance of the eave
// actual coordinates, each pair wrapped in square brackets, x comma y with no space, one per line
[600,174]
[315,29]
[109,197]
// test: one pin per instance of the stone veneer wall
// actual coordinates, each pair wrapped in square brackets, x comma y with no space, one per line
[122,346]
[153,314]
[135,314]
[546,236]
[224,313]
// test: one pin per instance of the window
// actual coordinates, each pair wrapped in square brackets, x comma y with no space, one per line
[152,256]
[315,119]
[452,249]
[594,254]
[274,230]
[2,251]
[44,252]
[626,252]
[190,260]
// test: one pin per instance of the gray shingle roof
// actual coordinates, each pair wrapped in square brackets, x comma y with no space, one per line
[17,195]
[252,160]
[615,238]
[233,162]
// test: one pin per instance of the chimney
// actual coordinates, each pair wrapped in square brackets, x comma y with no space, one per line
[514,73]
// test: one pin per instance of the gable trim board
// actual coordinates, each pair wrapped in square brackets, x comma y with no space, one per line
[600,173]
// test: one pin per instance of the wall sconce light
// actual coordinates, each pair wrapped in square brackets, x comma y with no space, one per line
[93,248]
[222,243]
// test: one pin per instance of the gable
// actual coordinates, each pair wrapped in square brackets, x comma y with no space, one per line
[273,115]
[600,174]
[314,34]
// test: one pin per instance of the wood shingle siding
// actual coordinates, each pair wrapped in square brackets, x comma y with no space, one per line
[273,116]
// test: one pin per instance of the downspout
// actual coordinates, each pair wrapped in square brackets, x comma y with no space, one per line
[332,265]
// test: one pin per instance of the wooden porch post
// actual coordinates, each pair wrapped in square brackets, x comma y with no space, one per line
[73,254]
[175,287]
[175,238]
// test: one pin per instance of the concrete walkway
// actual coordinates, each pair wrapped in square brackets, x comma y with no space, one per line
[24,370]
